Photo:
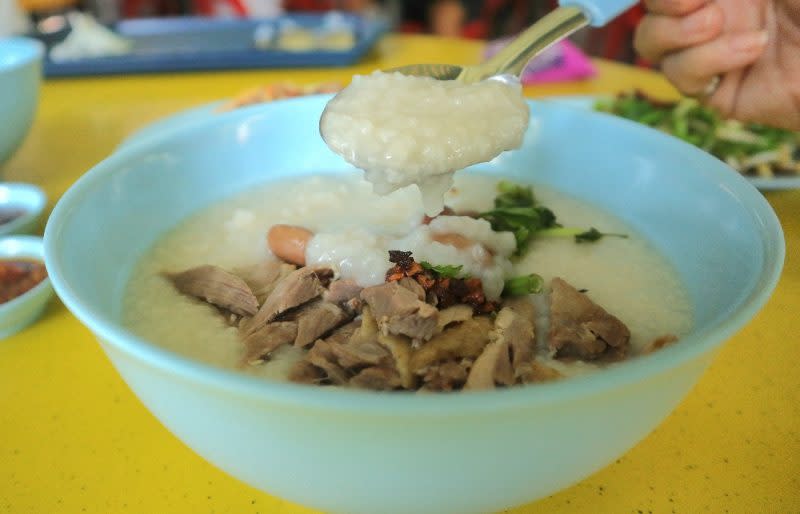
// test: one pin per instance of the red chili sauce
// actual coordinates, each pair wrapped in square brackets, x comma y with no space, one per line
[18,277]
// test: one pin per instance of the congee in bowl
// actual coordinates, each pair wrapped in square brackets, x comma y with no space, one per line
[640,241]
[319,280]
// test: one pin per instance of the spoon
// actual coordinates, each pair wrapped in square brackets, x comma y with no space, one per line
[572,15]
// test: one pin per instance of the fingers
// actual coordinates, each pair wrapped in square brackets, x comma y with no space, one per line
[674,7]
[658,34]
[692,69]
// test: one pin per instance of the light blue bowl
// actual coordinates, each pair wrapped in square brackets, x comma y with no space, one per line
[23,310]
[20,78]
[362,452]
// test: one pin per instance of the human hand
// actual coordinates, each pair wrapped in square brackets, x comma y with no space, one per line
[752,45]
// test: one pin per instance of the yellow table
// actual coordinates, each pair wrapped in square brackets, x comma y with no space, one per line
[74,439]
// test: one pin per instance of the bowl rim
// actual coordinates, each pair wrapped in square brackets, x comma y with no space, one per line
[29,247]
[33,209]
[698,342]
[26,44]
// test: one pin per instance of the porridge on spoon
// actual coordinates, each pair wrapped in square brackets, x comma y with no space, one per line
[404,130]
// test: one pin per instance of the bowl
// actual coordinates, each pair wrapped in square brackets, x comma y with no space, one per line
[363,452]
[23,310]
[20,78]
[26,199]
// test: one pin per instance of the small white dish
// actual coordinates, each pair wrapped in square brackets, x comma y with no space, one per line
[27,198]
[23,310]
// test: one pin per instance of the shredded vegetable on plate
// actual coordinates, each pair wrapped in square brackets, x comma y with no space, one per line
[753,149]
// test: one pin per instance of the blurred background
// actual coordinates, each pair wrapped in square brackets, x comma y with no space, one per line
[474,19]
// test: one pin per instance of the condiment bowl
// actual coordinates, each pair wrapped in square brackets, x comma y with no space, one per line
[354,451]
[27,200]
[20,78]
[23,310]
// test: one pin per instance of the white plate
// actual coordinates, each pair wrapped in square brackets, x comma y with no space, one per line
[198,114]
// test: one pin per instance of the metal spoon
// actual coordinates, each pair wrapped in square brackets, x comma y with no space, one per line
[572,15]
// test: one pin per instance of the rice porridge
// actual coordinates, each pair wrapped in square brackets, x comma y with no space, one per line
[404,130]
[351,229]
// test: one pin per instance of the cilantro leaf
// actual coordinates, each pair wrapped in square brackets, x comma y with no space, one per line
[443,270]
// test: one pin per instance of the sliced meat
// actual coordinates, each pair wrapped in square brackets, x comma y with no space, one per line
[455,314]
[298,288]
[400,348]
[367,331]
[465,340]
[323,358]
[447,376]
[659,343]
[581,329]
[510,327]
[522,305]
[261,343]
[317,319]
[413,286]
[217,287]
[264,276]
[492,367]
[399,311]
[344,333]
[376,379]
[303,372]
[342,291]
[355,345]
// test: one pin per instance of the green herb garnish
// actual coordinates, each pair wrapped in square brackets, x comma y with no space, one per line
[516,211]
[443,270]
[525,284]
[580,235]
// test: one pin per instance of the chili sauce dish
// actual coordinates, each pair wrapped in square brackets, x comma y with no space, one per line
[25,288]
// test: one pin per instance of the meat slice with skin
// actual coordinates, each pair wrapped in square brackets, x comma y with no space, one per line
[323,357]
[342,291]
[492,367]
[377,379]
[262,342]
[399,311]
[465,340]
[454,314]
[512,328]
[217,287]
[400,348]
[581,329]
[447,376]
[303,372]
[358,354]
[346,293]
[316,319]
[264,276]
[299,287]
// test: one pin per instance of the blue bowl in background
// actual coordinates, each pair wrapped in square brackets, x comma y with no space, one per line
[364,452]
[20,80]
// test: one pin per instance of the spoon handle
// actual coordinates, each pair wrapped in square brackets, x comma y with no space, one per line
[600,12]
[547,31]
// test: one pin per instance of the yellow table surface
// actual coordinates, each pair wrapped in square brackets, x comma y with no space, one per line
[73,438]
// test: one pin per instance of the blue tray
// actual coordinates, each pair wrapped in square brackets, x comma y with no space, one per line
[194,43]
